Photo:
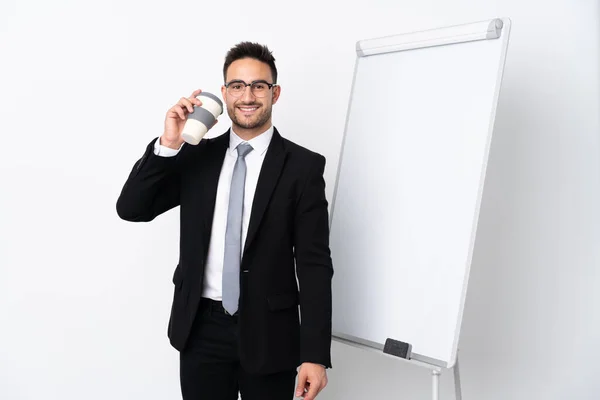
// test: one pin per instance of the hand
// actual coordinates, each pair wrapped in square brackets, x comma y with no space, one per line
[312,378]
[175,120]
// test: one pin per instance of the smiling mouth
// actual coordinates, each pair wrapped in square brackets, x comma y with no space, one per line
[248,109]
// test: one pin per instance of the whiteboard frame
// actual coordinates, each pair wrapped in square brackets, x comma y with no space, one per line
[492,29]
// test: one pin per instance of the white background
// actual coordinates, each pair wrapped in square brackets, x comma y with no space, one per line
[84,296]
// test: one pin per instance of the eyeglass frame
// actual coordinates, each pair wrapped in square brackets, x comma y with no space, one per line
[269,85]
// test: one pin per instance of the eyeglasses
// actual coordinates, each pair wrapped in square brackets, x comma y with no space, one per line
[260,88]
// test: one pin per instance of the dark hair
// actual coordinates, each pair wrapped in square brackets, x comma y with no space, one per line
[250,50]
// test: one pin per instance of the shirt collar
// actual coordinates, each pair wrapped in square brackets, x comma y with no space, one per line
[259,143]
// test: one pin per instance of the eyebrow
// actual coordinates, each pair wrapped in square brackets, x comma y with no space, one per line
[254,81]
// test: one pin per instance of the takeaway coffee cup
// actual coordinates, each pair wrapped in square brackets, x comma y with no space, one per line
[202,119]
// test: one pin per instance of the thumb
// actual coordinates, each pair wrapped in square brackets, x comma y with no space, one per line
[301,384]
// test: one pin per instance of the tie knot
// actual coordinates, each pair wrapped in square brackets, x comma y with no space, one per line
[243,149]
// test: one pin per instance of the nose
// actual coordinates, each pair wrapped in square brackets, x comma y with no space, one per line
[248,96]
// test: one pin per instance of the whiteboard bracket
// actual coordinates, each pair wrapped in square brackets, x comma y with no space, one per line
[482,30]
[436,366]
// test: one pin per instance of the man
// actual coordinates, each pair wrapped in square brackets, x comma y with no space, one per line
[252,297]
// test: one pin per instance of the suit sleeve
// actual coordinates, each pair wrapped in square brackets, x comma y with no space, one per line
[314,268]
[151,189]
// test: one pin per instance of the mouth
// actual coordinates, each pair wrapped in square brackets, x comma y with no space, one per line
[247,110]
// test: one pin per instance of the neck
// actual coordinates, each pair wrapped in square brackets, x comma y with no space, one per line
[249,134]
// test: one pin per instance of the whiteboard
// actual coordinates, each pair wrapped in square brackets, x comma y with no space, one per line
[409,186]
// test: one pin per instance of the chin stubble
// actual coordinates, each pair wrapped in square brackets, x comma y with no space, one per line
[262,118]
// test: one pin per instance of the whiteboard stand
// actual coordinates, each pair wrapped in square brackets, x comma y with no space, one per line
[403,233]
[435,382]
[435,374]
[457,386]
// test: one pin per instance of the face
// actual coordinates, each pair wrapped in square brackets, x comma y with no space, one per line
[248,113]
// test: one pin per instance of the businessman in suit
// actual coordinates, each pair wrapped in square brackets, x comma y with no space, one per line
[252,289]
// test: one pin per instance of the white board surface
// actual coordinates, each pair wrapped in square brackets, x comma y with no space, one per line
[410,180]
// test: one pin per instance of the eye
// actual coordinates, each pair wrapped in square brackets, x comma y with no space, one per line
[260,86]
[236,86]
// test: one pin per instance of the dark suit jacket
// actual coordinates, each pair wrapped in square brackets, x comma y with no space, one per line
[288,225]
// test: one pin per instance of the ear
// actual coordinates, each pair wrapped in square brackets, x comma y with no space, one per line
[224,93]
[276,93]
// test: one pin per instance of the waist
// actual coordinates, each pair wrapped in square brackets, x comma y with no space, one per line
[215,306]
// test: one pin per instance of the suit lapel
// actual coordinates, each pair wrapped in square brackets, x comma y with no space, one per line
[267,180]
[215,153]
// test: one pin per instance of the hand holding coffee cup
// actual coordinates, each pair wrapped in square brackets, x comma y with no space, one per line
[202,118]
[176,120]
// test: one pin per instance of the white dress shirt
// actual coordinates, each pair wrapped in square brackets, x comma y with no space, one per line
[213,270]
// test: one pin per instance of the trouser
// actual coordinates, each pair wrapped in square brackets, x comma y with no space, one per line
[210,367]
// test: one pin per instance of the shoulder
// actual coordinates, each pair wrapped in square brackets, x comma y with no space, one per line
[303,156]
[190,154]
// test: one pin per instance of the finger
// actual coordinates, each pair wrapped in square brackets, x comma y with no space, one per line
[193,98]
[176,111]
[196,101]
[301,384]
[313,390]
[186,103]
[196,92]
